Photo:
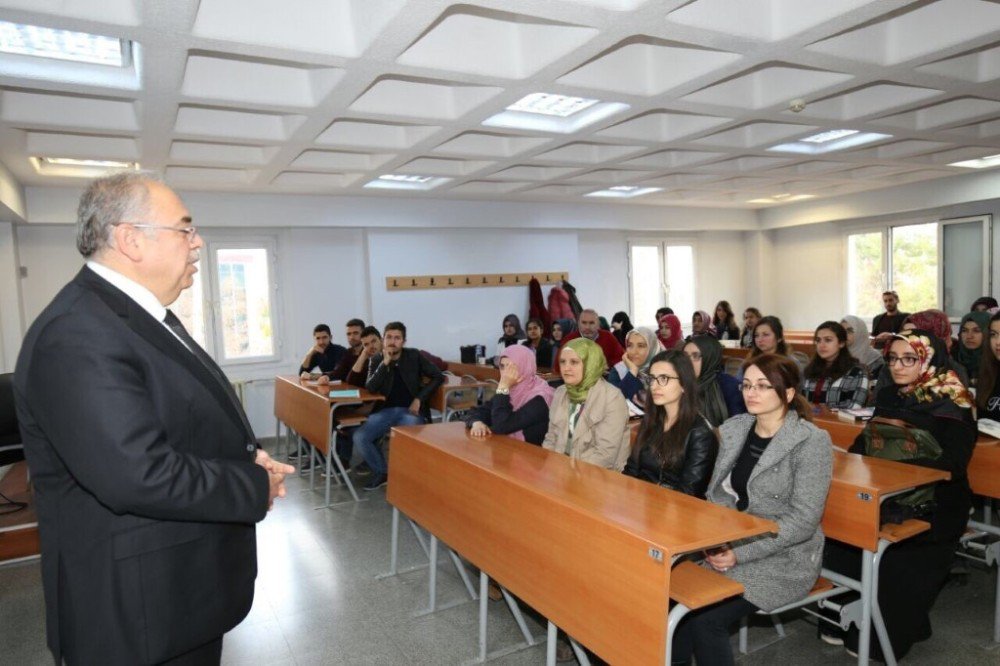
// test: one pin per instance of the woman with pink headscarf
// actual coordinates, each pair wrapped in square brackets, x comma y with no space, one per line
[669,331]
[520,406]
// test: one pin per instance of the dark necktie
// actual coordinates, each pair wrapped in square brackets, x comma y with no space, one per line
[177,327]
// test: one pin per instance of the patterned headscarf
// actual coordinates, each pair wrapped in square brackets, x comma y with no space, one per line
[594,363]
[933,321]
[936,381]
[708,326]
[970,357]
[675,331]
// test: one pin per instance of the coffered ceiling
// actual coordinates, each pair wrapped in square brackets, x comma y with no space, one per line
[324,96]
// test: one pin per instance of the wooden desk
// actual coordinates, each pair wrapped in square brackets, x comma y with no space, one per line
[480,372]
[19,530]
[453,384]
[589,548]
[306,408]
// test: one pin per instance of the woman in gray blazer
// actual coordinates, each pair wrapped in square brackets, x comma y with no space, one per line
[775,464]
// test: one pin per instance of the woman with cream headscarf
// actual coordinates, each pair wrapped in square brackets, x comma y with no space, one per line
[641,346]
[860,345]
[588,417]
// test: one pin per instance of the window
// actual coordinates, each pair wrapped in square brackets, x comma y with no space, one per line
[229,309]
[943,265]
[660,274]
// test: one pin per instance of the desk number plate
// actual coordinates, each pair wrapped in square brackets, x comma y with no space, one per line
[865,497]
[656,554]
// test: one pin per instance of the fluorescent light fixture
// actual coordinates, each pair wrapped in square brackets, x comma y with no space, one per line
[399,181]
[548,104]
[979,163]
[624,191]
[782,198]
[561,114]
[829,141]
[33,40]
[79,168]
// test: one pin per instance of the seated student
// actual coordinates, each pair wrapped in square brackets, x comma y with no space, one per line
[663,311]
[675,447]
[912,572]
[353,330]
[398,373]
[588,417]
[513,334]
[718,392]
[641,346]
[859,343]
[560,329]
[834,377]
[889,322]
[520,406]
[750,318]
[775,464]
[668,331]
[701,324]
[768,338]
[536,342]
[724,322]
[371,344]
[971,343]
[938,324]
[988,393]
[589,327]
[620,326]
[984,304]
[323,355]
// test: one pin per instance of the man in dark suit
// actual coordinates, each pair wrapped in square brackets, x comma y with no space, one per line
[147,475]
[407,379]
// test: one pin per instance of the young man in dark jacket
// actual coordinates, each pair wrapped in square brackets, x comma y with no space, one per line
[398,373]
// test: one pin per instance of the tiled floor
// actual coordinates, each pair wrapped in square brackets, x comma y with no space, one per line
[318,602]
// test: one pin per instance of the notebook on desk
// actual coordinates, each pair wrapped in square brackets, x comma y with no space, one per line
[345,393]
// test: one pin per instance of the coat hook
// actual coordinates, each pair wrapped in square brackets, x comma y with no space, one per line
[517,278]
[467,280]
[432,282]
[450,282]
[394,283]
[413,283]
[547,278]
[484,279]
[501,279]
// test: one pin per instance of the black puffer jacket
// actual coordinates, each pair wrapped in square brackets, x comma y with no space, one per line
[691,474]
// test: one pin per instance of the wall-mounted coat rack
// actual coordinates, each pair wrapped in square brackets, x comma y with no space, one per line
[410,282]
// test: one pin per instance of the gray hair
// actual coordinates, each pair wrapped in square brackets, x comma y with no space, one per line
[590,311]
[108,201]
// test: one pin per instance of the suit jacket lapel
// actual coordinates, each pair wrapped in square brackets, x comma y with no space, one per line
[154,332]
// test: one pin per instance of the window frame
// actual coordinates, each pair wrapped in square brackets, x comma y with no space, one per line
[662,244]
[986,221]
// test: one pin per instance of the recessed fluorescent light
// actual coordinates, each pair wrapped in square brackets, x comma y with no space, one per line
[782,198]
[35,40]
[831,135]
[624,191]
[79,168]
[548,104]
[979,163]
[399,181]
[826,142]
[562,114]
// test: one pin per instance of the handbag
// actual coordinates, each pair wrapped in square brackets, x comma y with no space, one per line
[895,439]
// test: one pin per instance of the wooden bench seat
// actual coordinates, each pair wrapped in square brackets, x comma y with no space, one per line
[696,587]
[894,533]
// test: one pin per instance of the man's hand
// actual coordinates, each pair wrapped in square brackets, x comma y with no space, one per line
[304,376]
[480,429]
[415,407]
[721,559]
[390,356]
[276,473]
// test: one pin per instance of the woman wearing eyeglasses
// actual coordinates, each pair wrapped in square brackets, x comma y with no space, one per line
[927,396]
[834,377]
[775,464]
[988,393]
[676,446]
[588,417]
[718,392]
[641,346]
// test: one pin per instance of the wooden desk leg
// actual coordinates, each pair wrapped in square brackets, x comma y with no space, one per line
[883,635]
[432,579]
[394,547]
[529,640]
[483,603]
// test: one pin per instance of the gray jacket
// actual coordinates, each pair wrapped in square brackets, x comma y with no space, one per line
[789,486]
[602,434]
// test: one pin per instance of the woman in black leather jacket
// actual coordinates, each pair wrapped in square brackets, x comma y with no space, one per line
[676,447]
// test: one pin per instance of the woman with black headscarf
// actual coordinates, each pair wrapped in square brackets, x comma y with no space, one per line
[513,334]
[620,326]
[718,391]
[928,396]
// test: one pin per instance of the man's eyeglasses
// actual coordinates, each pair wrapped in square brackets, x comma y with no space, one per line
[907,361]
[747,387]
[662,380]
[190,231]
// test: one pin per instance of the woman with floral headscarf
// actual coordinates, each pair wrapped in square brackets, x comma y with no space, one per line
[972,334]
[926,394]
[641,346]
[588,418]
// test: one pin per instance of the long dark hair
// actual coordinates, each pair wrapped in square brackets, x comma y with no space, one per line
[622,318]
[779,332]
[669,445]
[783,374]
[729,322]
[841,363]
[989,369]
[756,313]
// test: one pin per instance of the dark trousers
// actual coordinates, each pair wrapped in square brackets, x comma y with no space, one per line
[209,654]
[910,576]
[705,633]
